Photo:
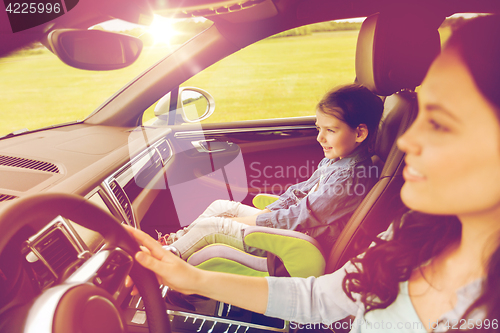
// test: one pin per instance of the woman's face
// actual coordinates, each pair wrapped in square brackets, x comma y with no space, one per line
[453,147]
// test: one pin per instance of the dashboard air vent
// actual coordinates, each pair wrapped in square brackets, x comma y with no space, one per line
[149,170]
[122,199]
[6,197]
[57,251]
[26,163]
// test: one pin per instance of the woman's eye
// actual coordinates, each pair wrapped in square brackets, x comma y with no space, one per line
[436,126]
[331,131]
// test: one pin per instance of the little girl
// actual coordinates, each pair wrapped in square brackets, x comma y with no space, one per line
[347,119]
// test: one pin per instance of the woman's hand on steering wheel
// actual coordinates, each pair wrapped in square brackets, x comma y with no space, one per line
[169,269]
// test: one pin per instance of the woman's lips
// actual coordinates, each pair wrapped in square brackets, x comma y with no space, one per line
[410,174]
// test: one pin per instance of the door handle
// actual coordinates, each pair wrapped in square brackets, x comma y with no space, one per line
[202,146]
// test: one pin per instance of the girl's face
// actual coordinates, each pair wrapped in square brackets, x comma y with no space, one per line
[336,137]
[453,147]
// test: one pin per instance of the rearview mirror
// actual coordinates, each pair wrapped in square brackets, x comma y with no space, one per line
[94,49]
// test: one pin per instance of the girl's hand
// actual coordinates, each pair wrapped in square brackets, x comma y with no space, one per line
[170,269]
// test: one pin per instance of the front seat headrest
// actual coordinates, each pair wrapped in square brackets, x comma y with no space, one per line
[394,52]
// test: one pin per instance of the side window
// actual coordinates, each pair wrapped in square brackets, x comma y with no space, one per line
[282,76]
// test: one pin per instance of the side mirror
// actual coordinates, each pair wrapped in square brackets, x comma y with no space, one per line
[93,49]
[196,104]
[193,105]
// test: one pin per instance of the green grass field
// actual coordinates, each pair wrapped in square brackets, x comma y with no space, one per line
[38,90]
[278,77]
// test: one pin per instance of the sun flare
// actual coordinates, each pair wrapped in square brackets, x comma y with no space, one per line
[162,30]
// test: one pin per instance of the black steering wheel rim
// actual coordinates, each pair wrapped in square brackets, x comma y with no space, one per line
[38,210]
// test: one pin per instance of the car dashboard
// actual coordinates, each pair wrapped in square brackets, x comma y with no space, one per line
[121,170]
[96,162]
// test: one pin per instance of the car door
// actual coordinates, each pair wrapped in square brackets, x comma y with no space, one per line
[236,161]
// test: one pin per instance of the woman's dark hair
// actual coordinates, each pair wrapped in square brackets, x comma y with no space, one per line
[420,237]
[477,44]
[416,239]
[354,105]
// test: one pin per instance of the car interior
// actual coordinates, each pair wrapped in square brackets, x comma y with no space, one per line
[378,45]
[66,190]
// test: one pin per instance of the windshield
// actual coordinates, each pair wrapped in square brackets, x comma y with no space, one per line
[38,90]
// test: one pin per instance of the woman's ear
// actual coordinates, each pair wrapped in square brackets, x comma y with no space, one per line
[361,133]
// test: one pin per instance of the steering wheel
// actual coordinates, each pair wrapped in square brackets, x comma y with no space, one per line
[77,304]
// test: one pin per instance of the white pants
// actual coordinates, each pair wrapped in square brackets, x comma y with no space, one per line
[215,226]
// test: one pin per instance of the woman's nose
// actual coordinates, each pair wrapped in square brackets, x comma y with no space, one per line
[407,142]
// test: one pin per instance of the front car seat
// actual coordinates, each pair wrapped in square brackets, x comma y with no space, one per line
[393,55]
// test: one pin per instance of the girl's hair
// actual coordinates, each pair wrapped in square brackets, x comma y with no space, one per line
[419,237]
[354,105]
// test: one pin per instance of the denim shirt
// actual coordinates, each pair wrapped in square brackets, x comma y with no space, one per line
[320,302]
[323,212]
